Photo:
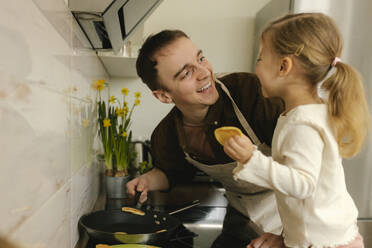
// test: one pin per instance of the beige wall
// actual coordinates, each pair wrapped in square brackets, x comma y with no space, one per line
[223,29]
[48,177]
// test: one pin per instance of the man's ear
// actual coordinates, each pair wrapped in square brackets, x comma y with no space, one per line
[162,96]
[286,65]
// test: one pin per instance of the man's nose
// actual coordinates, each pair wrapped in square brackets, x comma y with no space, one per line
[202,72]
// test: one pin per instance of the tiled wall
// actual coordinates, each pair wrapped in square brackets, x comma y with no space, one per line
[48,176]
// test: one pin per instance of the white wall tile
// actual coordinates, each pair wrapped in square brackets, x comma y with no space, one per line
[85,189]
[46,173]
[49,226]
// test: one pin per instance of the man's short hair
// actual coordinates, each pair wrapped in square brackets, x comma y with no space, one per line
[146,64]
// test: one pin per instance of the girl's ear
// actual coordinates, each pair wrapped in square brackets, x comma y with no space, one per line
[162,96]
[286,65]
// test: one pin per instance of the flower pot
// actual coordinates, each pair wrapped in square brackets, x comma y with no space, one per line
[116,186]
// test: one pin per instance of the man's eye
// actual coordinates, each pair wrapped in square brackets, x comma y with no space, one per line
[201,59]
[258,60]
[187,73]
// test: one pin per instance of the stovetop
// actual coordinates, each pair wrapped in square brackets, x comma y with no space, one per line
[200,225]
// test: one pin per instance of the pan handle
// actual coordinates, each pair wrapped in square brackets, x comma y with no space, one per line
[193,204]
[137,203]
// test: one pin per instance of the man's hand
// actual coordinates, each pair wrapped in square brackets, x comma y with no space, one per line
[140,184]
[154,179]
[239,148]
[267,240]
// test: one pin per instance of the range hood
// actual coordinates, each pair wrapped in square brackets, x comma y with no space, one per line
[109,24]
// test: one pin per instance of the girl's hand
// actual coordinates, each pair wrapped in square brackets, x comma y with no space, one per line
[239,148]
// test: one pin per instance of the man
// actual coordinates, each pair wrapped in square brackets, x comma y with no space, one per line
[177,72]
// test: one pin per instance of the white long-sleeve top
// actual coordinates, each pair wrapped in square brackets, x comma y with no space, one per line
[307,176]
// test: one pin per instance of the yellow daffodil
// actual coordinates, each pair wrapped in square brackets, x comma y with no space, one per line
[137,94]
[99,84]
[119,112]
[106,122]
[124,91]
[100,87]
[85,122]
[126,109]
[115,135]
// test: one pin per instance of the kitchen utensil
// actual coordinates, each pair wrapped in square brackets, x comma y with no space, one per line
[137,203]
[118,227]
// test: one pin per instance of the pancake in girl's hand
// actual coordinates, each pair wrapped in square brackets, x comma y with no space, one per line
[222,134]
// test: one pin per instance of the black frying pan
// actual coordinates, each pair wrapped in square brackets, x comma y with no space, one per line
[118,227]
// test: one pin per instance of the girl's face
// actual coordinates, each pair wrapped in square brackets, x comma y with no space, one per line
[267,69]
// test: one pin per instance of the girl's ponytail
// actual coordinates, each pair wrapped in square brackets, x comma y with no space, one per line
[348,109]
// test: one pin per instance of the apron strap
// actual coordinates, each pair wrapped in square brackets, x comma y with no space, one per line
[240,116]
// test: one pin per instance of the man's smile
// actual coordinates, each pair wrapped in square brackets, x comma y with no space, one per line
[204,88]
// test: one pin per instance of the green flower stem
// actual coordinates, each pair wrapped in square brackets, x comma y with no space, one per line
[106,136]
[117,148]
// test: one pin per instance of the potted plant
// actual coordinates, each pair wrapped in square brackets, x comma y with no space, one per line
[114,121]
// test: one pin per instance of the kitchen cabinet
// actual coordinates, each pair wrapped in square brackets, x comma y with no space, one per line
[118,66]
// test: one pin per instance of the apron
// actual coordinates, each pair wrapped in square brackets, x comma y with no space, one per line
[254,202]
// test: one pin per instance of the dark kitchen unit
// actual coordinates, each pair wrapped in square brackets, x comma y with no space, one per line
[200,224]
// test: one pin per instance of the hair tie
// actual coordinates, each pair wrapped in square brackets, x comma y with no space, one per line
[335,61]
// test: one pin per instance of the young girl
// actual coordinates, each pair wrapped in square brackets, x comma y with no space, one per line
[299,57]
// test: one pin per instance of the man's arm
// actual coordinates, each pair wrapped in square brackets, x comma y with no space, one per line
[157,180]
[150,181]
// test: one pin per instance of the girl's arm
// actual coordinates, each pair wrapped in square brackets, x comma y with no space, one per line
[295,173]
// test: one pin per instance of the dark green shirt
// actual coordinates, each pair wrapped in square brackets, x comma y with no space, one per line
[168,141]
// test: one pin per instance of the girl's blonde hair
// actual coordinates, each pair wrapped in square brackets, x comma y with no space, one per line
[316,41]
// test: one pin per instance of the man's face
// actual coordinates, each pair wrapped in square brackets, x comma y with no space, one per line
[187,75]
